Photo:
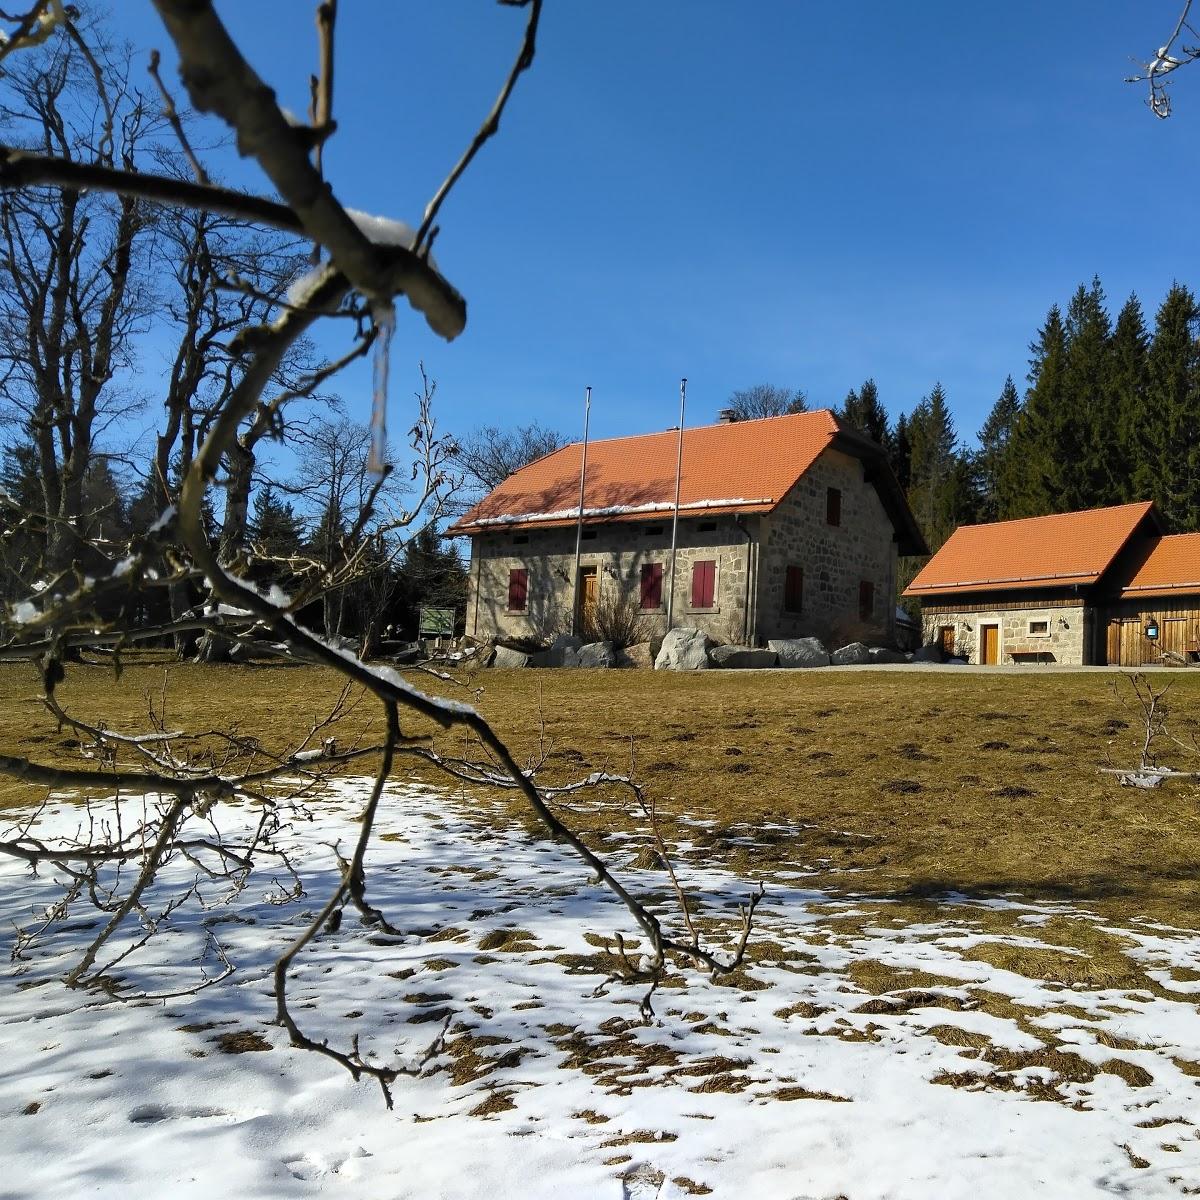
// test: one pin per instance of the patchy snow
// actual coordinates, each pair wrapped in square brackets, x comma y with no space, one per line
[793,1083]
[612,510]
[303,286]
[163,519]
[383,231]
[387,231]
[24,612]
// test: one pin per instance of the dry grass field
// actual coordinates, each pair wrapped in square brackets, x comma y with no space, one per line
[917,784]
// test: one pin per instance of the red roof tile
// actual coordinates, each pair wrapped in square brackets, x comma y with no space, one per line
[743,466]
[1172,568]
[1035,552]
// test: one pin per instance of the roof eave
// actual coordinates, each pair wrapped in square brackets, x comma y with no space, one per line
[694,512]
[910,540]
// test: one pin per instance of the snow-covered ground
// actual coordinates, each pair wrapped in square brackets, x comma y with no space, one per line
[792,1083]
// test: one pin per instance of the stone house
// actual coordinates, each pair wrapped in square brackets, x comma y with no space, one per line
[1105,586]
[788,526]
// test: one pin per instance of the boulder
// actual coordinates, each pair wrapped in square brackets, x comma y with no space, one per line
[884,654]
[595,654]
[742,658]
[853,655]
[931,653]
[561,650]
[560,653]
[638,655]
[684,649]
[507,657]
[800,652]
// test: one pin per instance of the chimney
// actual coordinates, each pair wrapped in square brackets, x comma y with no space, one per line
[727,416]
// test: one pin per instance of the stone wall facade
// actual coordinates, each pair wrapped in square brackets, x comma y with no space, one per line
[751,554]
[1066,641]
[835,559]
[617,552]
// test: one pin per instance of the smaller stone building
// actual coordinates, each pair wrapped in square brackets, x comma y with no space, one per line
[788,526]
[1105,586]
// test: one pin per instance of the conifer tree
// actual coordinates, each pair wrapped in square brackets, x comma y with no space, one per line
[1126,397]
[274,524]
[21,538]
[1167,466]
[939,492]
[1085,427]
[1037,438]
[994,465]
[899,449]
[862,411]
[432,574]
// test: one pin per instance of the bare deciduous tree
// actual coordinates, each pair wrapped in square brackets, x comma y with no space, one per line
[1174,53]
[165,789]
[487,456]
[77,290]
[766,400]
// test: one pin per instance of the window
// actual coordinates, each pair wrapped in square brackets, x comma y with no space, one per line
[652,585]
[1039,627]
[708,526]
[833,506]
[704,580]
[793,590]
[589,535]
[866,600]
[518,589]
[520,539]
[651,530]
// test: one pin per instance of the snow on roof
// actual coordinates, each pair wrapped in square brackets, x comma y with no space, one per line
[616,510]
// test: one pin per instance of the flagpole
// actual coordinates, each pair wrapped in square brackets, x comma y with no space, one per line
[576,607]
[675,518]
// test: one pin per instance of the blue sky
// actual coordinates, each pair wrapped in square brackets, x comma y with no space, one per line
[769,191]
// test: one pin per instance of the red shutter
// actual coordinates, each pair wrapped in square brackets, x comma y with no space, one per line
[704,578]
[518,589]
[793,590]
[866,599]
[652,585]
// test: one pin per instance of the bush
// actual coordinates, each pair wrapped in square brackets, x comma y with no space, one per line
[616,617]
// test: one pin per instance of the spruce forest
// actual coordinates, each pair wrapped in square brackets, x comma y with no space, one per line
[1110,415]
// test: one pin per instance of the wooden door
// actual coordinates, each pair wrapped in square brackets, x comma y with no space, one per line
[588,593]
[989,645]
[1132,642]
[946,640]
[1113,655]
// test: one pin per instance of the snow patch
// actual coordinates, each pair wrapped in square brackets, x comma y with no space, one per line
[612,510]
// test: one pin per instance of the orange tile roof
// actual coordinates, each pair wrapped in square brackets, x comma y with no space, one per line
[1172,568]
[1034,552]
[743,466]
